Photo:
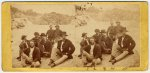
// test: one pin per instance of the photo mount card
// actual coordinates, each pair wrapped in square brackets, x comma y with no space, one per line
[74,36]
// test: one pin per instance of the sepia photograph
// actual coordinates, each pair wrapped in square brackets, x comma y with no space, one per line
[80,35]
[85,35]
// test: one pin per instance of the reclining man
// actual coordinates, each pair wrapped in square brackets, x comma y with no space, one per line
[31,56]
[64,51]
[122,47]
[92,53]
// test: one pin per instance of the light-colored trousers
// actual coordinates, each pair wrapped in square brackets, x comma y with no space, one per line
[86,56]
[56,57]
[25,58]
[118,52]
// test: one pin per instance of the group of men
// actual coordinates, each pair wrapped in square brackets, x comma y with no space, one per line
[115,42]
[58,48]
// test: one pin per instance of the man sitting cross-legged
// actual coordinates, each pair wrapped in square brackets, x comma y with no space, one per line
[31,56]
[92,53]
[64,51]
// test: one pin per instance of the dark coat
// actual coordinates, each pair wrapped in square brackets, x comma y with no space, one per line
[50,34]
[35,55]
[96,51]
[36,41]
[57,33]
[97,38]
[23,45]
[67,48]
[84,42]
[128,43]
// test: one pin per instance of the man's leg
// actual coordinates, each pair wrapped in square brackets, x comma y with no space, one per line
[97,61]
[25,58]
[36,64]
[62,59]
[121,56]
[89,57]
[54,55]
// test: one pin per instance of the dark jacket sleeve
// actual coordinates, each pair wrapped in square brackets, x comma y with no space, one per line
[132,44]
[37,55]
[71,49]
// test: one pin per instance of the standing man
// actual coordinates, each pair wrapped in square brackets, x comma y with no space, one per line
[31,56]
[118,26]
[64,51]
[50,34]
[57,33]
[111,33]
[92,53]
[124,46]
[23,46]
[83,43]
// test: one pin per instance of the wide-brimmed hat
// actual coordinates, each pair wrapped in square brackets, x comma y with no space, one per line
[103,31]
[23,37]
[83,34]
[64,33]
[97,30]
[43,34]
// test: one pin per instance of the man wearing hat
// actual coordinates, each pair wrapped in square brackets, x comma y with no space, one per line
[31,56]
[83,43]
[23,45]
[57,33]
[36,39]
[64,51]
[50,33]
[97,36]
[92,53]
[124,46]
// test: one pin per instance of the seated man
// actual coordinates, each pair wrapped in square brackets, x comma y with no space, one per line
[84,42]
[25,44]
[64,51]
[92,53]
[122,47]
[36,39]
[31,56]
[106,43]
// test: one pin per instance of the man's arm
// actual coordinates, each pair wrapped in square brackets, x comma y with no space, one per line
[71,48]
